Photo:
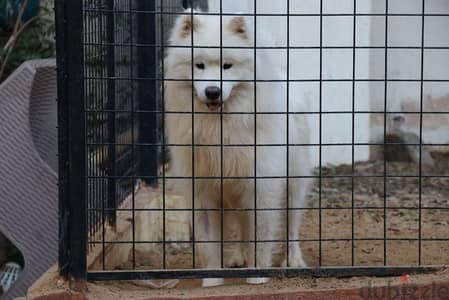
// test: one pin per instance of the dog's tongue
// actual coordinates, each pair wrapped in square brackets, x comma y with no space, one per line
[214,106]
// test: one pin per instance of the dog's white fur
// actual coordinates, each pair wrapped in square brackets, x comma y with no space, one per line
[236,129]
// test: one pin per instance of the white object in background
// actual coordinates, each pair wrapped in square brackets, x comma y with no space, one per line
[9,274]
[305,65]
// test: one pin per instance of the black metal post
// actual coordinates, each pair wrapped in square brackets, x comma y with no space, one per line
[147,90]
[111,171]
[71,134]
[186,3]
[202,4]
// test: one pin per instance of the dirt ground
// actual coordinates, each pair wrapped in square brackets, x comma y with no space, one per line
[278,288]
[191,289]
[371,218]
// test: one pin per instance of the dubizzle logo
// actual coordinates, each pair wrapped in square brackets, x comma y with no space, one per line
[405,291]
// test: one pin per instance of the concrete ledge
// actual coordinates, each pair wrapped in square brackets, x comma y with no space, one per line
[417,286]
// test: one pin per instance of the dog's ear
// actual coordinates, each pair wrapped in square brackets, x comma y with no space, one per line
[239,26]
[188,24]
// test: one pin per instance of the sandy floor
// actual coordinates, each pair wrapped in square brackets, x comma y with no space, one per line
[189,289]
[368,223]
[51,283]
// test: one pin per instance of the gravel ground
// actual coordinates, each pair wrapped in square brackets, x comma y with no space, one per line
[372,218]
[369,222]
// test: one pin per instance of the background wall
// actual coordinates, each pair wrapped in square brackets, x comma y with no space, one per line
[403,31]
[305,65]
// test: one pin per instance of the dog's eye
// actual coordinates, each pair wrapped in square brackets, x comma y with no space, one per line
[227,66]
[200,66]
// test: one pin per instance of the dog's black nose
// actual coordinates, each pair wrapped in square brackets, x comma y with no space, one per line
[213,92]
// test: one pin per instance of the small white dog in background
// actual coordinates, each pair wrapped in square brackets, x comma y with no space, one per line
[224,142]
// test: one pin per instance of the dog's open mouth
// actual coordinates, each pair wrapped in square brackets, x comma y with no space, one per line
[214,106]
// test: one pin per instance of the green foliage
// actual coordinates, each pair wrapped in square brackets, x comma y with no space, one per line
[36,41]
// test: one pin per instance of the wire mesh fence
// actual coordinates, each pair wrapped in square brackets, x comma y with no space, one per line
[252,138]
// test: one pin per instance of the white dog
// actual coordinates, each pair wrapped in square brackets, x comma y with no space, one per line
[219,86]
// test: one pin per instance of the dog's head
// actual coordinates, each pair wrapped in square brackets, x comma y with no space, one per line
[221,59]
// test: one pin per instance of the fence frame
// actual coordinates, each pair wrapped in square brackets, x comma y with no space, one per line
[71,140]
[72,181]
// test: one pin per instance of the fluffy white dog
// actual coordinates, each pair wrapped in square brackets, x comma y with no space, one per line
[210,101]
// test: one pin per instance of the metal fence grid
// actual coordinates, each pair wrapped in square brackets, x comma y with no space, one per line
[110,55]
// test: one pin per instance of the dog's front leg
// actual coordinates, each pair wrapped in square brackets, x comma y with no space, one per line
[207,243]
[298,193]
[262,230]
[234,257]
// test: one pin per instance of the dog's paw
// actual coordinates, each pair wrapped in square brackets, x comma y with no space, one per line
[257,280]
[235,261]
[294,262]
[210,282]
[295,259]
